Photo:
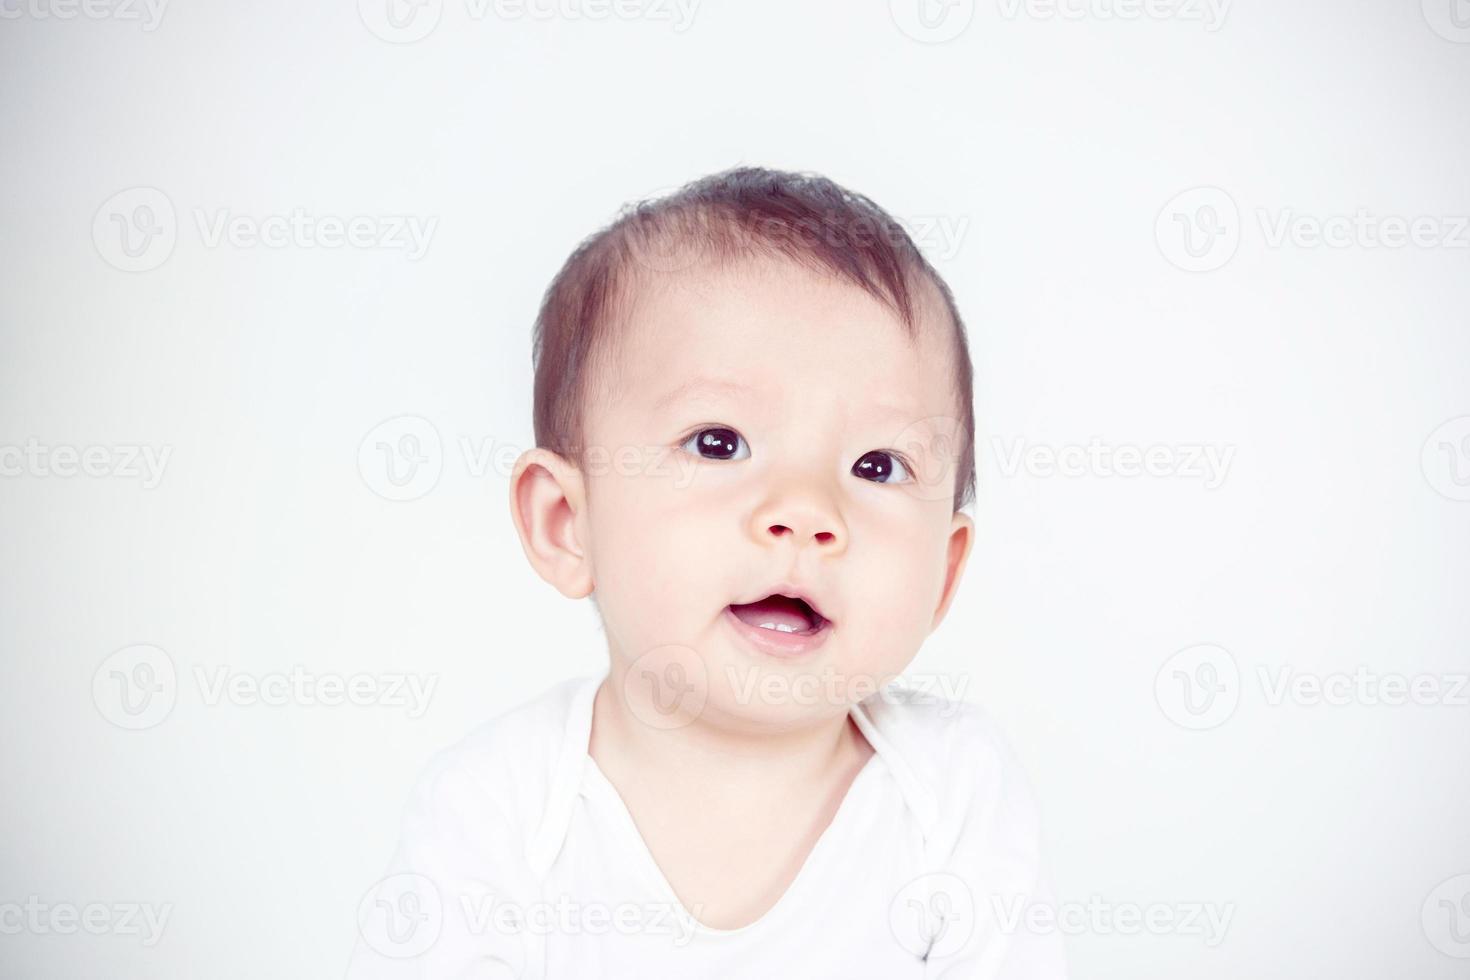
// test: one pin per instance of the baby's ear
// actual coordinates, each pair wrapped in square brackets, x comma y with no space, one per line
[547,494]
[956,553]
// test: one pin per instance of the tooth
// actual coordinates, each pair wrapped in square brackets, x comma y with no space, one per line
[780,627]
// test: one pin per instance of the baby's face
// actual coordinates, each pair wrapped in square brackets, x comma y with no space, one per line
[780,433]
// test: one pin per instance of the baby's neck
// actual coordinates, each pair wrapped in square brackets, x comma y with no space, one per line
[704,755]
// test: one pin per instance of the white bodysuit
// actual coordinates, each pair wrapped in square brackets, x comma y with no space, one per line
[518,858]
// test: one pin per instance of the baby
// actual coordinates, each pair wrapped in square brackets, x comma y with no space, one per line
[755,432]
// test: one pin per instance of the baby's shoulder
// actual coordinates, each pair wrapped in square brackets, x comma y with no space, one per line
[955,750]
[499,774]
[939,732]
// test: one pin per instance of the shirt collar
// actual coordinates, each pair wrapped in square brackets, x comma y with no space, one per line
[571,757]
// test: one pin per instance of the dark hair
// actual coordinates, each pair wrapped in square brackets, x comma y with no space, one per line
[738,213]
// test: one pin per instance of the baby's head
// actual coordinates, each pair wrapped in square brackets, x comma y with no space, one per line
[753,388]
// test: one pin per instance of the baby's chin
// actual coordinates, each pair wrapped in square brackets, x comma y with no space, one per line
[770,694]
[722,680]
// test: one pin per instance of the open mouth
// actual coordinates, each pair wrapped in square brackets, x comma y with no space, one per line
[780,614]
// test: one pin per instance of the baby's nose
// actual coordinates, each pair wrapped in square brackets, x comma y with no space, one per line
[804,520]
[821,537]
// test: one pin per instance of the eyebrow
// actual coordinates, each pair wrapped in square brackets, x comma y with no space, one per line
[697,386]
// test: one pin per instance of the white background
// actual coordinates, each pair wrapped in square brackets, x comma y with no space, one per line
[1053,149]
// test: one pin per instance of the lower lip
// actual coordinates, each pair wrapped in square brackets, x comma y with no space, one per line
[775,643]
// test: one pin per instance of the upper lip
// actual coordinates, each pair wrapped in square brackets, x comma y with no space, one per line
[793,592]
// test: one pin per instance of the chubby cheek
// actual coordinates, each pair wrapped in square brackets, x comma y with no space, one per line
[894,583]
[654,565]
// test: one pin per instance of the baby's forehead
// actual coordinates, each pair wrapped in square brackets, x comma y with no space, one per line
[726,306]
[773,323]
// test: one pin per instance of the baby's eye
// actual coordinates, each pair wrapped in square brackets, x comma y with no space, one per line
[881,467]
[717,442]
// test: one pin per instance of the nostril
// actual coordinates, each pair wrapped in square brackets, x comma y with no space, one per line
[821,537]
